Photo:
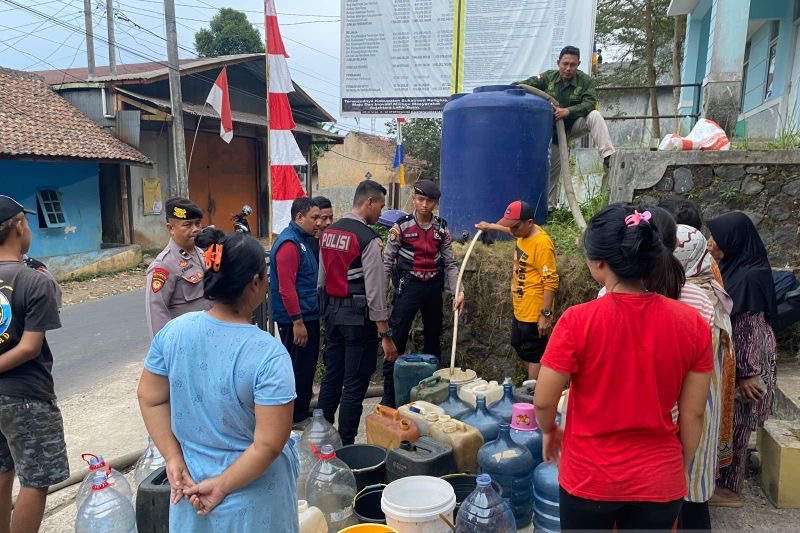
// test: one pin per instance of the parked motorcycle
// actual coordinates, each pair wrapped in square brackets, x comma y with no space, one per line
[240,223]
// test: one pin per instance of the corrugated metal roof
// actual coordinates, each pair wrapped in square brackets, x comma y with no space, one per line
[35,121]
[238,116]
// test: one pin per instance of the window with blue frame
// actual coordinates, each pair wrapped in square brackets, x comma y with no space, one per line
[50,209]
[773,52]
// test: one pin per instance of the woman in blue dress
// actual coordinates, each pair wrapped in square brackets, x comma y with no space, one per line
[216,395]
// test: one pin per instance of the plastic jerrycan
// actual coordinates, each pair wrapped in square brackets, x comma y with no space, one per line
[105,509]
[525,430]
[546,514]
[503,408]
[464,439]
[492,391]
[432,389]
[311,519]
[482,420]
[453,405]
[485,511]
[386,428]
[409,370]
[115,479]
[511,465]
[331,488]
[426,457]
[418,411]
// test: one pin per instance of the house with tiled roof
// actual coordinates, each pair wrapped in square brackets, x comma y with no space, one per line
[364,156]
[58,162]
[134,104]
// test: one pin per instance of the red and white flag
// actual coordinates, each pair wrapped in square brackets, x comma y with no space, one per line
[219,100]
[284,152]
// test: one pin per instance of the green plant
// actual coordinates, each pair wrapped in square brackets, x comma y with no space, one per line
[692,194]
[729,193]
[789,134]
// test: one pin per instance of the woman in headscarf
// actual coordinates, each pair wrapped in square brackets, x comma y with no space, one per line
[747,276]
[715,441]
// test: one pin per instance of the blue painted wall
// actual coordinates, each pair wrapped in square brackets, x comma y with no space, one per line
[79,184]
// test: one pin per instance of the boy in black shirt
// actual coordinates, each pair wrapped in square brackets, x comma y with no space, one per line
[31,429]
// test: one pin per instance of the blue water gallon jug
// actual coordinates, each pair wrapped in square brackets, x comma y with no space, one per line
[485,511]
[511,465]
[482,420]
[503,408]
[546,515]
[525,430]
[453,405]
[409,370]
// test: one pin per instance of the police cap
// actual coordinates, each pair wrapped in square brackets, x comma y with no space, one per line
[182,209]
[9,208]
[427,188]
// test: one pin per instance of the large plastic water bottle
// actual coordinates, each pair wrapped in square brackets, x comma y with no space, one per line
[511,465]
[331,488]
[546,512]
[307,461]
[105,509]
[525,430]
[502,409]
[484,511]
[98,465]
[150,461]
[453,405]
[319,432]
[482,420]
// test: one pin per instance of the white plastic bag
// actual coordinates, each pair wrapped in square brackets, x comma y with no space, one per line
[706,135]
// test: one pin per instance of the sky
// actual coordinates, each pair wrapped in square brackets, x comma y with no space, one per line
[310,29]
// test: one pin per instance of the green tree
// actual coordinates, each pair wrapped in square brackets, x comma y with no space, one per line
[229,33]
[422,139]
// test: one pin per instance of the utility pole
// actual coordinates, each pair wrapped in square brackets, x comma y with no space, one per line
[87,22]
[112,45]
[178,140]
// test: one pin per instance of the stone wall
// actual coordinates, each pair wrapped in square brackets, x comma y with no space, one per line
[763,184]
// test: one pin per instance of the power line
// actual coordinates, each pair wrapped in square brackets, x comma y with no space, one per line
[39,27]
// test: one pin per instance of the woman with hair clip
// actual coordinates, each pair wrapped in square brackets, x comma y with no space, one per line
[216,395]
[742,257]
[629,357]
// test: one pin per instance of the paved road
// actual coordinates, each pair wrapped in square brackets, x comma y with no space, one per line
[97,338]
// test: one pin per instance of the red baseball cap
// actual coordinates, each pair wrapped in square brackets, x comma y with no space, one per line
[516,212]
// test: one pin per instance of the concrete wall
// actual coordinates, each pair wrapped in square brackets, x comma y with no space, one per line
[347,164]
[78,185]
[342,199]
[149,230]
[763,184]
[635,132]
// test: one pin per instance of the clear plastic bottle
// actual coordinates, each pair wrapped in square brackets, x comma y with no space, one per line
[105,509]
[484,511]
[331,488]
[307,461]
[150,461]
[98,465]
[319,432]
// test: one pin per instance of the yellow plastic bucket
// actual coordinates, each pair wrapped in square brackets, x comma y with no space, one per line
[369,528]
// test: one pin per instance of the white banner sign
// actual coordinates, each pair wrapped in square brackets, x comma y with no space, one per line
[400,57]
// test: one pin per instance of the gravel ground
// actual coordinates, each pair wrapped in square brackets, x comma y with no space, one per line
[95,288]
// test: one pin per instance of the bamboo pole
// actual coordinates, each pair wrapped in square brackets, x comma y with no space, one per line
[455,292]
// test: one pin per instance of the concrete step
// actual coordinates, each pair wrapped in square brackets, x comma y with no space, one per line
[787,394]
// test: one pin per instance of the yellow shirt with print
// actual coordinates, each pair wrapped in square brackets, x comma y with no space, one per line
[534,272]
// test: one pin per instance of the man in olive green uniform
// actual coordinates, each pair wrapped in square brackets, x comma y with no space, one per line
[175,277]
[577,100]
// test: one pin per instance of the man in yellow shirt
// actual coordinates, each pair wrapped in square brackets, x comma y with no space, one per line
[533,283]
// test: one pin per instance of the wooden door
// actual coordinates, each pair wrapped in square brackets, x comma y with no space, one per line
[223,177]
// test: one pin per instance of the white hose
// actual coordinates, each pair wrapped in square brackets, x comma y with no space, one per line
[455,311]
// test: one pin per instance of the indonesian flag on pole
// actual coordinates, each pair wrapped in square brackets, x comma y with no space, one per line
[218,99]
[284,152]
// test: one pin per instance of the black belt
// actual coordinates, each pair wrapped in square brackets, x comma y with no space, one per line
[343,302]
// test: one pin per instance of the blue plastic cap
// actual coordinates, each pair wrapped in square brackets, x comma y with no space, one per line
[99,479]
[484,480]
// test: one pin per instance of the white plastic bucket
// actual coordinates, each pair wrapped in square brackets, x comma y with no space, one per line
[460,376]
[417,504]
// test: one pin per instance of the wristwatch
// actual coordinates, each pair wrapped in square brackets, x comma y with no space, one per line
[547,313]
[385,334]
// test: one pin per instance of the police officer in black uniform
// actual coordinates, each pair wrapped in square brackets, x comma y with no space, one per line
[419,259]
[175,277]
[352,285]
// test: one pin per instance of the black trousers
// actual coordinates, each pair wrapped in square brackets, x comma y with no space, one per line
[694,516]
[304,364]
[579,513]
[411,297]
[351,354]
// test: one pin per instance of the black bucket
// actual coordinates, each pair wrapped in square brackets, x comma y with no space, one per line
[368,463]
[463,485]
[367,505]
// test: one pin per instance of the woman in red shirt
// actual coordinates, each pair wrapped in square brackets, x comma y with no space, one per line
[629,357]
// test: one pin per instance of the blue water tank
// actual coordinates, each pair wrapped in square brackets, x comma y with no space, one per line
[495,145]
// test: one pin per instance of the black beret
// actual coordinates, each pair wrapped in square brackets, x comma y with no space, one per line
[427,188]
[183,209]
